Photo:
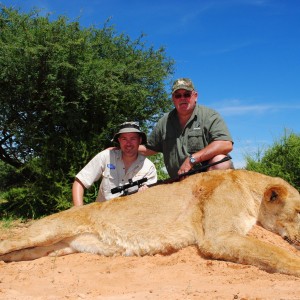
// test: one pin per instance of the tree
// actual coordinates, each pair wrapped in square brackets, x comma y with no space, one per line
[281,159]
[63,91]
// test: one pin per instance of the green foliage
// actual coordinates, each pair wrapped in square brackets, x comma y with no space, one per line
[35,198]
[282,159]
[63,91]
[158,161]
[8,176]
[7,222]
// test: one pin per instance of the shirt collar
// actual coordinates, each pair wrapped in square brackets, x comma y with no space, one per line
[138,161]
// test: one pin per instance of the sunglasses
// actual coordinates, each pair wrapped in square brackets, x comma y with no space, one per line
[185,95]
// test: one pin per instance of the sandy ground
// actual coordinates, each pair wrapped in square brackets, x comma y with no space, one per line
[181,275]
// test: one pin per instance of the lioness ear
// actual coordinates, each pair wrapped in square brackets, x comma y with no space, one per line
[275,193]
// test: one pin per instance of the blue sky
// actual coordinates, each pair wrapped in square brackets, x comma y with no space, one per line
[242,55]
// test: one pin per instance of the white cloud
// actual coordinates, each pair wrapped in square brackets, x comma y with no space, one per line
[233,108]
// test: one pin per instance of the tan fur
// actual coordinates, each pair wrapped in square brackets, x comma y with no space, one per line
[213,210]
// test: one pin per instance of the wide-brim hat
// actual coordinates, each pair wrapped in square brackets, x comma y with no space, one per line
[130,127]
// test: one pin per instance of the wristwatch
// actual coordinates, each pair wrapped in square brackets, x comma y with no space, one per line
[192,159]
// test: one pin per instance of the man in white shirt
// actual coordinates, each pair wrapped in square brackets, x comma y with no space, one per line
[116,167]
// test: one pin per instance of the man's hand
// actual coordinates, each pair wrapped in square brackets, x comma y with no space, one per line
[143,188]
[185,167]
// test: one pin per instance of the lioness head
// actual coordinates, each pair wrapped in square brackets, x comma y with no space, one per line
[280,212]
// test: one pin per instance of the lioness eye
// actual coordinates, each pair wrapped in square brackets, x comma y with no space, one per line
[274,196]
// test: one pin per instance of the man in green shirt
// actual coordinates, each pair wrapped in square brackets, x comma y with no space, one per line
[190,134]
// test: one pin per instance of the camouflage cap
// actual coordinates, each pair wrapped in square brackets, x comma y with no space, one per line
[183,83]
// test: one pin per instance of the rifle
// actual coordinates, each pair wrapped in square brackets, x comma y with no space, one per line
[124,188]
[203,168]
[198,169]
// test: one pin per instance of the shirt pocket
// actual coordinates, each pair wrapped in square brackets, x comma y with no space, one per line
[195,141]
[108,182]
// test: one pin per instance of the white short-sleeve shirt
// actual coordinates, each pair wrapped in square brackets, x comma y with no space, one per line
[109,166]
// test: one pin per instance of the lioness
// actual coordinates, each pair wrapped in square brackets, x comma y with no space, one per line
[213,210]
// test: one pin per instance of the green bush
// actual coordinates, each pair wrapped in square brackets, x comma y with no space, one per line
[282,159]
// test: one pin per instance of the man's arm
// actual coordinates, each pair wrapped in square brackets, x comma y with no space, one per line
[210,151]
[77,193]
[145,151]
[213,149]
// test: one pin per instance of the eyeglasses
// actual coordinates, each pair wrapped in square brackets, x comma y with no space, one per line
[185,95]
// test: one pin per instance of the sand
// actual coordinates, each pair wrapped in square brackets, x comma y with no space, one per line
[181,275]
